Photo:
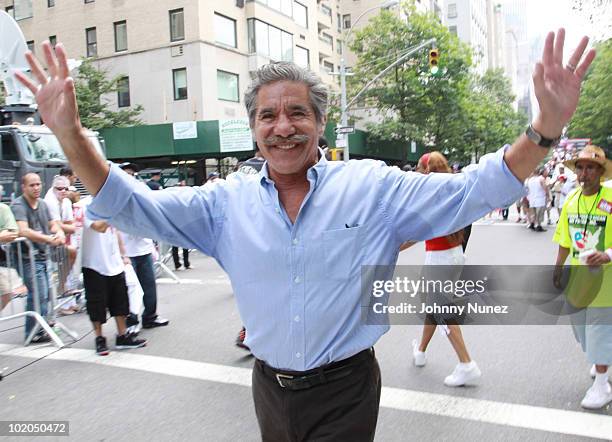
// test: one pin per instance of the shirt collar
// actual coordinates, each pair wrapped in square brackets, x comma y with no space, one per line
[314,173]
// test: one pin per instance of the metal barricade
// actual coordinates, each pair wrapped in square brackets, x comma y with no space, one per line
[164,254]
[20,263]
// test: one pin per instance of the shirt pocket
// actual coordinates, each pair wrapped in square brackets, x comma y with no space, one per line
[342,249]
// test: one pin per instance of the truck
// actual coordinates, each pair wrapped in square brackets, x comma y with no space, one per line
[25,148]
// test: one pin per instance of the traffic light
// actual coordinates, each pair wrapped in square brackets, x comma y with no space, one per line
[434,58]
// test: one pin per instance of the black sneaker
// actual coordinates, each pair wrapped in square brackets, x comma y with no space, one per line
[101,347]
[540,229]
[157,322]
[531,226]
[40,338]
[131,320]
[129,341]
[240,340]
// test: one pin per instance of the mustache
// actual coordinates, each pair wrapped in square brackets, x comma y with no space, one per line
[274,139]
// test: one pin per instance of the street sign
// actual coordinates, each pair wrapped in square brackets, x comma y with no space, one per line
[341,142]
[345,130]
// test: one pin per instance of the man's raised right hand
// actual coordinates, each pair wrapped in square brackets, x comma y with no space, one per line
[54,93]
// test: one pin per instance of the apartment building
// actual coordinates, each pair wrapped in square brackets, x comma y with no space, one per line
[495,35]
[468,20]
[186,60]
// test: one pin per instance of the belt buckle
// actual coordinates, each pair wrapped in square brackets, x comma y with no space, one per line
[280,377]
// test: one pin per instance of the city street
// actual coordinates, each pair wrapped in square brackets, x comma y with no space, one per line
[192,383]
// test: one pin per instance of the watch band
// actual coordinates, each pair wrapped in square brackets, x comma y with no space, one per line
[540,140]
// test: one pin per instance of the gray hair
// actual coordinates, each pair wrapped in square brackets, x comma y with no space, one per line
[60,179]
[286,71]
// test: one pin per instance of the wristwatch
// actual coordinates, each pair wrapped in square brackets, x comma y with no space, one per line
[539,139]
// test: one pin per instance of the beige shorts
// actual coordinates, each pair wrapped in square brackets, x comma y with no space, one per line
[10,282]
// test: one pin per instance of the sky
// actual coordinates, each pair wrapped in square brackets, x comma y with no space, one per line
[547,15]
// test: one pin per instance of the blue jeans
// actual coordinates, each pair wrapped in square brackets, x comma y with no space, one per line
[143,266]
[42,284]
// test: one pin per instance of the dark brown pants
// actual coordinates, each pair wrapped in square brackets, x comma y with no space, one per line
[345,409]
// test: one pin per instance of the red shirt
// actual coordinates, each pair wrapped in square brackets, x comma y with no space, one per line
[441,243]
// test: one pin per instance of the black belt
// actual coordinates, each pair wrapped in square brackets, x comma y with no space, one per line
[301,380]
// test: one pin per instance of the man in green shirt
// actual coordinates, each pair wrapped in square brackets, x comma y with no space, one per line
[585,231]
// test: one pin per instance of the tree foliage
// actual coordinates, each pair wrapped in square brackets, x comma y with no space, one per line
[454,111]
[93,88]
[492,119]
[415,104]
[593,118]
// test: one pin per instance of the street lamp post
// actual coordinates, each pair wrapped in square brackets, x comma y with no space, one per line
[344,138]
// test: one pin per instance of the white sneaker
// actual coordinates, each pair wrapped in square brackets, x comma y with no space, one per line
[597,397]
[419,357]
[461,376]
[134,329]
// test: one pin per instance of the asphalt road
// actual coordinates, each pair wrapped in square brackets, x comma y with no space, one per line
[192,383]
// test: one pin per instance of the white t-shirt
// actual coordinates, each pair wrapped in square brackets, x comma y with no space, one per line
[100,251]
[54,207]
[136,246]
[536,193]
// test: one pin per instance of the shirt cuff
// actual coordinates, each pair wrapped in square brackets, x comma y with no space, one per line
[609,253]
[113,196]
[506,189]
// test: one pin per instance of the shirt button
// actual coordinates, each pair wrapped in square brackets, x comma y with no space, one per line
[277,210]
[297,280]
[295,241]
[296,319]
[298,355]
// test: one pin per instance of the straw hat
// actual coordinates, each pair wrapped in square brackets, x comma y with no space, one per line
[595,155]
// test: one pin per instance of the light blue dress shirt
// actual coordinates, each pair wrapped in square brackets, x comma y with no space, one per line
[298,286]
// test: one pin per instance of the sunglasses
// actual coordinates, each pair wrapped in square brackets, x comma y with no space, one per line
[61,188]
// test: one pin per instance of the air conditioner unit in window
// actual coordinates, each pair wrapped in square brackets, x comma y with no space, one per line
[176,51]
[240,3]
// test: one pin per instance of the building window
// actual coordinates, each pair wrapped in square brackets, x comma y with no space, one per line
[326,10]
[22,9]
[53,40]
[177,25]
[328,67]
[50,3]
[302,57]
[346,21]
[10,10]
[452,30]
[123,92]
[452,10]
[227,86]
[339,47]
[89,1]
[225,30]
[270,41]
[30,46]
[326,38]
[339,21]
[179,82]
[120,36]
[92,42]
[282,6]
[300,14]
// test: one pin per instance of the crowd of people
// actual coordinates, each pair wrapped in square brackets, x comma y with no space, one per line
[89,254]
[304,230]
